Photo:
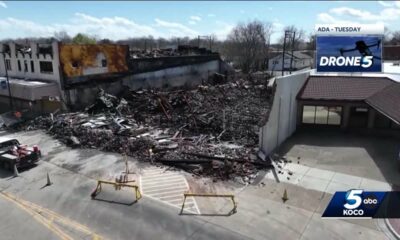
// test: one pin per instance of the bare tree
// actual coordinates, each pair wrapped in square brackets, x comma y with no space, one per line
[298,43]
[247,45]
[395,39]
[62,36]
[311,42]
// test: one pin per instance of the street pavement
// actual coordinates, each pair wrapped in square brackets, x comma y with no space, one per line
[261,214]
[167,187]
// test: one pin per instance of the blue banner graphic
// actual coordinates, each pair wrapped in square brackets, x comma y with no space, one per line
[349,53]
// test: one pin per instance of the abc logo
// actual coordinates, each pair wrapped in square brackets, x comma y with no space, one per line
[370,201]
[354,201]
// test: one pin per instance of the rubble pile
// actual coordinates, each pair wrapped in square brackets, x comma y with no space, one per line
[154,53]
[229,112]
[211,130]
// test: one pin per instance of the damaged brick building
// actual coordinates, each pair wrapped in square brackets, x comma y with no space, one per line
[45,77]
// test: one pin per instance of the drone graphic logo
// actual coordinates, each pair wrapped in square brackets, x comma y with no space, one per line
[349,54]
[367,61]
[364,50]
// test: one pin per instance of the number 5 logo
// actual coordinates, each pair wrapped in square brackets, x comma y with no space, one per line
[353,199]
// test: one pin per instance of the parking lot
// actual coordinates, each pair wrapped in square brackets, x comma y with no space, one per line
[370,157]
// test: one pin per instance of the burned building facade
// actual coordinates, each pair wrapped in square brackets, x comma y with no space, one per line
[32,71]
[83,63]
[71,74]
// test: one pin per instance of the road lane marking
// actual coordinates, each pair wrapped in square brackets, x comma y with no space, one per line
[167,187]
[38,213]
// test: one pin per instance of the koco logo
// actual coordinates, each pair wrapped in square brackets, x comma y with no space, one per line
[364,62]
[354,200]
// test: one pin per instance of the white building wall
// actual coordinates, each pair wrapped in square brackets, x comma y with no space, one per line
[297,63]
[188,75]
[14,72]
[282,119]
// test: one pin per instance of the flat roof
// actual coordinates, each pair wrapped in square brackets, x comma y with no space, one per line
[26,82]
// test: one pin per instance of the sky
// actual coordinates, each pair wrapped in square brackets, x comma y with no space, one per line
[123,19]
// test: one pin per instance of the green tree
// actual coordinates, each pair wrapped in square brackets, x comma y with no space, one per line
[81,38]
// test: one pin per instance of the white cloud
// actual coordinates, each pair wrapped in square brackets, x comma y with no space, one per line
[387,14]
[327,18]
[195,18]
[176,29]
[3,4]
[386,4]
[28,28]
[192,22]
[277,26]
[113,28]
[346,15]
[390,3]
[223,29]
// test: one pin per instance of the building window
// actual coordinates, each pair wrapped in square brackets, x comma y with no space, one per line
[8,64]
[19,65]
[25,66]
[46,67]
[32,67]
[335,115]
[104,63]
[309,114]
[323,115]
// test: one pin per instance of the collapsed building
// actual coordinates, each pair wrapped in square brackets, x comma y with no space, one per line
[173,107]
[211,130]
[45,77]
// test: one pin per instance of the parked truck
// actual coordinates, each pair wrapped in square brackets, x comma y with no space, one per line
[13,153]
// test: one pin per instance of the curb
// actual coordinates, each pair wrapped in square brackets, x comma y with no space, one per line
[391,229]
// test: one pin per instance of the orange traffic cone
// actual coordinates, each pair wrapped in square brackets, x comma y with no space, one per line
[285,196]
[48,180]
[16,174]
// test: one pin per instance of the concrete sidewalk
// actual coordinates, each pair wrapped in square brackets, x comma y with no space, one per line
[324,180]
[263,215]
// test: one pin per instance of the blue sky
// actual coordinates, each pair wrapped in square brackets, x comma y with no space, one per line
[119,20]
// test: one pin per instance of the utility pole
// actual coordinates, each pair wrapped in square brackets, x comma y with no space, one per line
[198,41]
[283,53]
[291,59]
[8,82]
[287,35]
[206,38]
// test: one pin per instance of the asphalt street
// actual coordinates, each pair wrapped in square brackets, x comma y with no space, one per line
[112,215]
[65,210]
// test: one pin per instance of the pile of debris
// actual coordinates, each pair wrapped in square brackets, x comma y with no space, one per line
[154,53]
[211,130]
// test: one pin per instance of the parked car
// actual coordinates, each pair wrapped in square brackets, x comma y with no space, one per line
[13,153]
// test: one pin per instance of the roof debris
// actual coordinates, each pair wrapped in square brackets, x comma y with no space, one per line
[211,130]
